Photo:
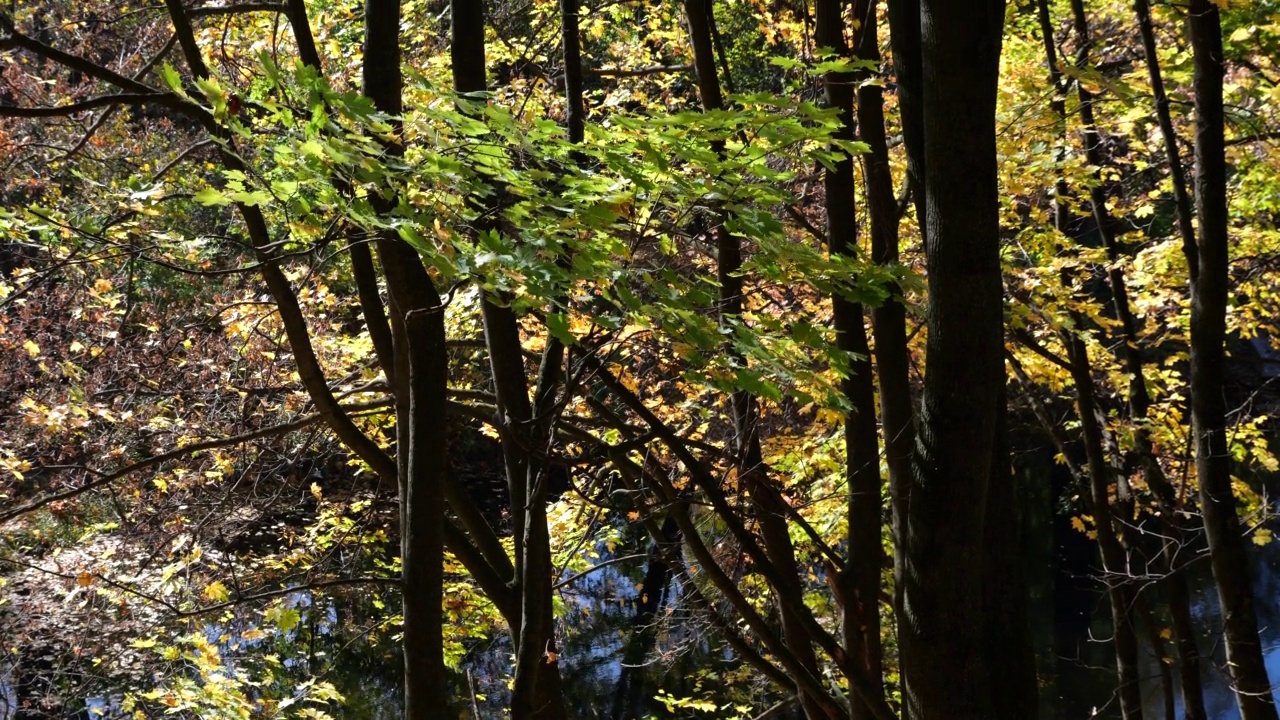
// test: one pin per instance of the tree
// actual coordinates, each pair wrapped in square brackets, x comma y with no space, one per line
[965,643]
[273,271]
[860,580]
[1209,291]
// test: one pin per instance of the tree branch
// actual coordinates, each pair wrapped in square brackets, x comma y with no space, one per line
[82,106]
[286,300]
[174,454]
[17,39]
[1256,137]
[238,9]
[637,72]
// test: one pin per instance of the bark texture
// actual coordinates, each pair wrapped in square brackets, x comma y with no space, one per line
[860,581]
[1208,407]
[420,379]
[964,634]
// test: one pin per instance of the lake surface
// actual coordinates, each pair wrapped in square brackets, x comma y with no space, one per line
[618,654]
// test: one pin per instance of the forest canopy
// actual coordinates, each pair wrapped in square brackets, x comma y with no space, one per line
[581,359]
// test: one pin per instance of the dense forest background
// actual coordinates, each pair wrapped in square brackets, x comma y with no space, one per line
[605,359]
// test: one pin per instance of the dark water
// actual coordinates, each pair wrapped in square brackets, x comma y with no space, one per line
[1082,662]
[613,668]
[618,653]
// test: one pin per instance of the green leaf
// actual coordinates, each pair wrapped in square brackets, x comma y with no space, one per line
[209,196]
[172,79]
[256,197]
[558,325]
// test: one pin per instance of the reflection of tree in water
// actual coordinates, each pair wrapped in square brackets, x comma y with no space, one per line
[629,698]
[624,635]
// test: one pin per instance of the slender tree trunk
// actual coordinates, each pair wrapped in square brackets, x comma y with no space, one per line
[1138,398]
[965,641]
[1176,582]
[904,39]
[421,383]
[537,690]
[892,357]
[889,318]
[1120,593]
[571,38]
[771,515]
[1209,292]
[1177,175]
[1132,352]
[860,580]
[422,543]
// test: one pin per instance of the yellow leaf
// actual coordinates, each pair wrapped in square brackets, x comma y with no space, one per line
[1078,524]
[102,285]
[32,349]
[84,579]
[1262,537]
[216,591]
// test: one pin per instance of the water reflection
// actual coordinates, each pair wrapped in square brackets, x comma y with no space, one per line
[1083,665]
[624,638]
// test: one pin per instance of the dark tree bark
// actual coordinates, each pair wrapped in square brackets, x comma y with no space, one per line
[1209,292]
[537,690]
[1120,591]
[771,513]
[860,580]
[1177,175]
[893,361]
[421,385]
[771,517]
[964,633]
[571,38]
[1174,530]
[904,39]
[422,473]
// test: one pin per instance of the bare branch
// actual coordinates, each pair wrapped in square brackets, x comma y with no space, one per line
[637,72]
[238,9]
[82,106]
[1257,137]
[17,39]
[174,454]
[598,566]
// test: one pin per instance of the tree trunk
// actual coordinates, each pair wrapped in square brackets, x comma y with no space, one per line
[860,581]
[1227,553]
[771,514]
[1177,176]
[537,690]
[1120,593]
[1116,578]
[889,318]
[965,641]
[421,384]
[904,38]
[1176,580]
